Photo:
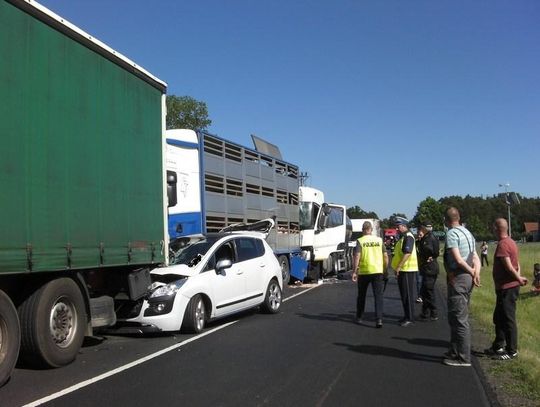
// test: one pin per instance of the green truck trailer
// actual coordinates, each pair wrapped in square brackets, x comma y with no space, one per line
[82,176]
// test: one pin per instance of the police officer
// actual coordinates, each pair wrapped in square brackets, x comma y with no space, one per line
[405,265]
[428,251]
[369,263]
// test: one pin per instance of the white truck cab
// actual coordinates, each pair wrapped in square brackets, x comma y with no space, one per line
[325,231]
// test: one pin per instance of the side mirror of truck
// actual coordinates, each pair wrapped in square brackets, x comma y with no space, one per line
[326,209]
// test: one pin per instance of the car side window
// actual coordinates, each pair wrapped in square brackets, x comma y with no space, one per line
[260,247]
[225,251]
[248,248]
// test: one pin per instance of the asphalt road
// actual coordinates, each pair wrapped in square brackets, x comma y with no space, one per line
[310,354]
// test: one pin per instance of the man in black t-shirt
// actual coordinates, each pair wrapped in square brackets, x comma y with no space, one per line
[428,251]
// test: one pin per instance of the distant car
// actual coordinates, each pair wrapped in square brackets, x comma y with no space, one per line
[210,277]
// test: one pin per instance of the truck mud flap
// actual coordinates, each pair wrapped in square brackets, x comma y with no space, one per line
[102,311]
[299,267]
[138,283]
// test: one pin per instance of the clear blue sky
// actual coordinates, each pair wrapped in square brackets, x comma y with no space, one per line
[383,103]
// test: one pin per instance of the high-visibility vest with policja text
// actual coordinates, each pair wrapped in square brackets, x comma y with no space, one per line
[412,262]
[371,258]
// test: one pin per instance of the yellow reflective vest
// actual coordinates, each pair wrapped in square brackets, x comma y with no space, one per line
[371,259]
[412,262]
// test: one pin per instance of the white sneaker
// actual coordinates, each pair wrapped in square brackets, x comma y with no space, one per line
[456,362]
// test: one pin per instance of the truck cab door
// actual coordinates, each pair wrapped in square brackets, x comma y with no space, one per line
[330,232]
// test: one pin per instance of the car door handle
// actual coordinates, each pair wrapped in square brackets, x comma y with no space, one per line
[239,272]
[262,265]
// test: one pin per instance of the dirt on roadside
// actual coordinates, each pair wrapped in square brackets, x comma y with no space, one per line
[498,385]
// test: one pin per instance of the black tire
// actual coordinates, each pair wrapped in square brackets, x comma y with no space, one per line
[315,271]
[349,265]
[10,337]
[272,298]
[285,268]
[335,263]
[195,316]
[53,322]
[328,265]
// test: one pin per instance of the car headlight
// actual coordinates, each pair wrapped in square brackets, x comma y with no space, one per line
[168,290]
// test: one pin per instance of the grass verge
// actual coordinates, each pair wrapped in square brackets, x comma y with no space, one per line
[519,378]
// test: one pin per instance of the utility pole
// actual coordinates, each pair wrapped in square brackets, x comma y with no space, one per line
[303,178]
[508,203]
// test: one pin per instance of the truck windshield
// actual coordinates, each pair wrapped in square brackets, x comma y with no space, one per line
[186,254]
[308,215]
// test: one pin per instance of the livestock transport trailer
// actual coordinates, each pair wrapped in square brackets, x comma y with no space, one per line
[220,183]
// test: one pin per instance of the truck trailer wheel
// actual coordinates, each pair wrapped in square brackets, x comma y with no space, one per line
[285,268]
[53,321]
[10,337]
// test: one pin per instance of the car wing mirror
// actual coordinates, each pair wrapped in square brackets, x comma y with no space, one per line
[222,265]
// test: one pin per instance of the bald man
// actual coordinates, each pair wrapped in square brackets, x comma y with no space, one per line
[462,266]
[507,278]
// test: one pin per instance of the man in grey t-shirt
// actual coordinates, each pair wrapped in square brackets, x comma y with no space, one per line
[462,266]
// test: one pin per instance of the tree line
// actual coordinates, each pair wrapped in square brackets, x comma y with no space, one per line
[478,213]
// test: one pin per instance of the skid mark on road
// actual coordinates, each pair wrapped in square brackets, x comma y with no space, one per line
[330,387]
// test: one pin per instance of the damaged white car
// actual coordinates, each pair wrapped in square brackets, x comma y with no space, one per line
[209,277]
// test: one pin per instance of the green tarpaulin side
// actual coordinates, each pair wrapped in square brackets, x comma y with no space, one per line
[80,154]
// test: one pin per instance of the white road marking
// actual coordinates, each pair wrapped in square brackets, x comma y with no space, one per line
[300,293]
[120,369]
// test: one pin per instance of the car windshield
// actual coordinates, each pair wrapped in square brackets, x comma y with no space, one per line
[191,252]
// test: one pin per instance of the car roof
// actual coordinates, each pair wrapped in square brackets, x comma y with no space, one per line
[214,237]
[220,235]
[262,226]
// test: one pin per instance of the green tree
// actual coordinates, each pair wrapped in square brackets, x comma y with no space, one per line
[430,210]
[477,227]
[185,112]
[480,212]
[356,212]
[388,223]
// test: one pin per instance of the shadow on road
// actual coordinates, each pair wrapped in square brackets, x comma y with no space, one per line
[432,343]
[344,317]
[389,352]
[90,341]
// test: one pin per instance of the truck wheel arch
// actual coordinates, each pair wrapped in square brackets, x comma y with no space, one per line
[10,337]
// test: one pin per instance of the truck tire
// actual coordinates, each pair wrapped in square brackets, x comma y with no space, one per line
[285,268]
[10,337]
[53,322]
[315,271]
[195,316]
[349,262]
[330,265]
[335,263]
[272,298]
